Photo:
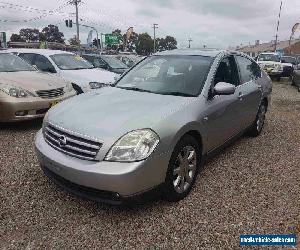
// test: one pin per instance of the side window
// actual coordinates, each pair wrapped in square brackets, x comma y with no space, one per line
[227,71]
[43,64]
[249,70]
[28,57]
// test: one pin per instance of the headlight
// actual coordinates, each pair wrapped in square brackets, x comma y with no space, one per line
[68,88]
[17,92]
[134,146]
[96,85]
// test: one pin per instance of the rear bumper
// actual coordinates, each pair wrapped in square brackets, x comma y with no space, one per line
[123,180]
[32,107]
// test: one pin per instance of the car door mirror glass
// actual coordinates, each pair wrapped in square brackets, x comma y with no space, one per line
[224,88]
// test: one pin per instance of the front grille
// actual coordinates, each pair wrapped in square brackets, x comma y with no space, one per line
[51,93]
[71,143]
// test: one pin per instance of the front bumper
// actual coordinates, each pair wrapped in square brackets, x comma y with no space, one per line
[273,72]
[32,107]
[123,180]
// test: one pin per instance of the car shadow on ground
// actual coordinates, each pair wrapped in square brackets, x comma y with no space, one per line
[23,125]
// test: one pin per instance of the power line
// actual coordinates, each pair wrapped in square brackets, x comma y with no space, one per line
[45,14]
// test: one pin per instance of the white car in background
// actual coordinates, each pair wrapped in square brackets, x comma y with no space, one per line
[270,62]
[69,66]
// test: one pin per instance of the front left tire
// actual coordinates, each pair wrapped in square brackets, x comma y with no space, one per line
[183,169]
[259,122]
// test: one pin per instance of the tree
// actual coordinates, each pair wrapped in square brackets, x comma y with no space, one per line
[144,44]
[131,43]
[170,43]
[30,35]
[167,43]
[74,41]
[16,38]
[51,33]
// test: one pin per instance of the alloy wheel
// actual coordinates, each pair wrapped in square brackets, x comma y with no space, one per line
[184,169]
[261,118]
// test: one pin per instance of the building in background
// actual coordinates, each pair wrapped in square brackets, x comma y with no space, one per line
[282,47]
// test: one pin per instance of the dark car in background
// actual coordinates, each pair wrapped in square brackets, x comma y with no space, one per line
[289,63]
[106,62]
[296,79]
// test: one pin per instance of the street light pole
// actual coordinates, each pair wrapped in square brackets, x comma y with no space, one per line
[190,40]
[93,28]
[76,2]
[276,40]
[101,42]
[155,26]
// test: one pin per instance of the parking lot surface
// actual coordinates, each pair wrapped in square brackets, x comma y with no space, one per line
[252,187]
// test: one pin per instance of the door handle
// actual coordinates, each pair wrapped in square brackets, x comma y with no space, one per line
[241,96]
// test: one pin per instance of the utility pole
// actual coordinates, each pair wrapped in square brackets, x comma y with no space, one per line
[276,40]
[155,26]
[190,40]
[76,2]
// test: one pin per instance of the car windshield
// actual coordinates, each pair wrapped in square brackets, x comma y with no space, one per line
[269,57]
[12,63]
[70,62]
[168,75]
[114,63]
[288,59]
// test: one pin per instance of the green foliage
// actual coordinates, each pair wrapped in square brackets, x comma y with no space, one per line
[51,33]
[16,38]
[74,41]
[30,35]
[144,44]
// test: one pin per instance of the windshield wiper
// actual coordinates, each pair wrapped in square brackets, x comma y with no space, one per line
[175,93]
[135,89]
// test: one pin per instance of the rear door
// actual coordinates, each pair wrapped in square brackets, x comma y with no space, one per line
[249,91]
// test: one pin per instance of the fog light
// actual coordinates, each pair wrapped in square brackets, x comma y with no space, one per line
[21,113]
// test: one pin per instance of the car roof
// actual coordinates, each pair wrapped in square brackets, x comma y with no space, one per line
[45,52]
[193,52]
[269,53]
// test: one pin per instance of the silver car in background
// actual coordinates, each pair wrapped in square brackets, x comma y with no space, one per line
[155,127]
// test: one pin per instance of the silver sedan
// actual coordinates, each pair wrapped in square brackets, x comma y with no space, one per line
[155,127]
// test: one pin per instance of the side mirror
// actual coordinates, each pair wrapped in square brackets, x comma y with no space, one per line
[224,88]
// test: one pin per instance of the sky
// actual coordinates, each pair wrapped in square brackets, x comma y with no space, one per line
[214,23]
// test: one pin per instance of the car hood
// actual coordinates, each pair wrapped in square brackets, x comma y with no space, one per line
[32,80]
[82,77]
[109,113]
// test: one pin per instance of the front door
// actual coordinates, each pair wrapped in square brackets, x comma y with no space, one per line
[223,111]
